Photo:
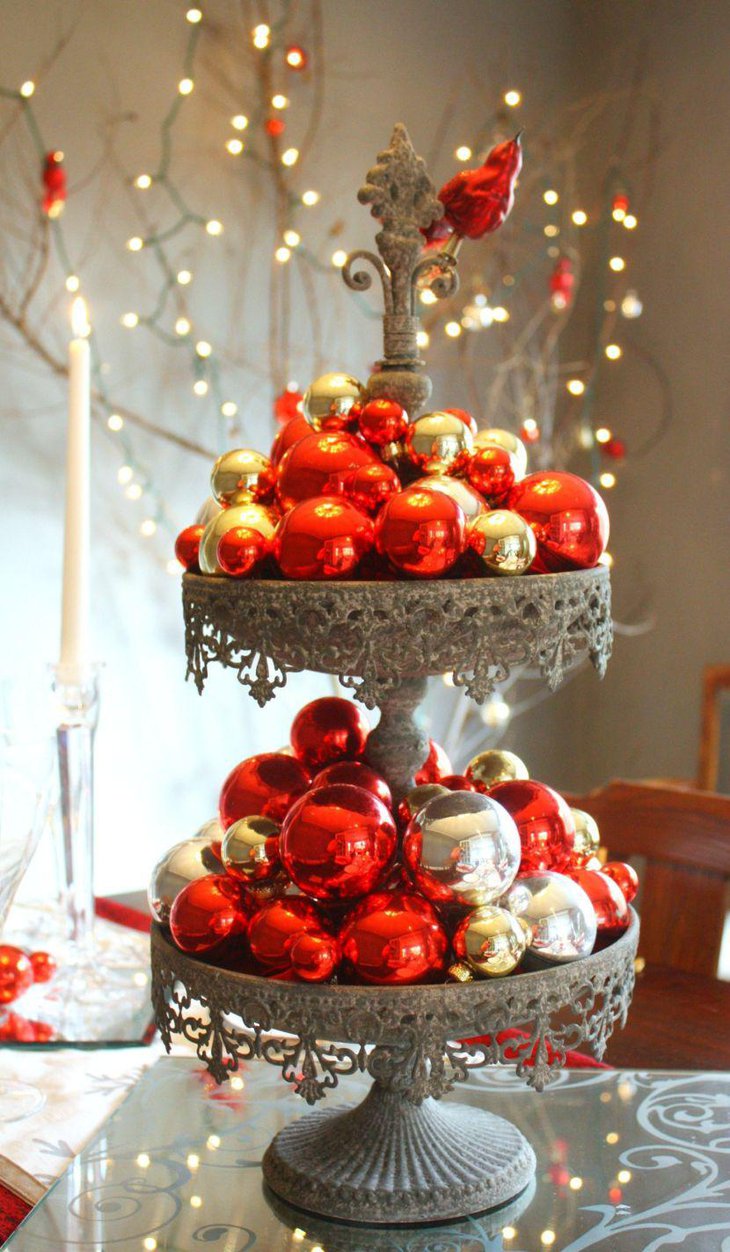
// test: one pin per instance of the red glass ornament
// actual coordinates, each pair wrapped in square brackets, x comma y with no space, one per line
[382,421]
[491,470]
[207,912]
[275,126]
[624,876]
[337,842]
[369,487]
[457,782]
[274,927]
[466,418]
[328,730]
[562,283]
[325,537]
[43,1033]
[567,515]
[543,819]
[436,766]
[319,465]
[287,406]
[16,973]
[14,1028]
[356,774]
[187,546]
[44,966]
[615,448]
[608,900]
[54,184]
[476,202]
[421,532]
[295,429]
[314,957]
[296,58]
[394,938]
[241,549]
[265,785]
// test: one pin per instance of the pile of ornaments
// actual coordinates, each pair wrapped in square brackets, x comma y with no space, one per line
[19,970]
[310,872]
[353,488]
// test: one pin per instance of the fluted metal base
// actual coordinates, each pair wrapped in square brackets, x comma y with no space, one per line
[391,1161]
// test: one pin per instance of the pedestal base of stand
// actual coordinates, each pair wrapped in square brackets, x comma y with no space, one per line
[388,1161]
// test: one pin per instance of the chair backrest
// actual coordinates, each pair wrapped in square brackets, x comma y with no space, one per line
[715,682]
[684,837]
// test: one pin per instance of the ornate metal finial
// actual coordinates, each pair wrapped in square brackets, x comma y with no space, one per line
[403,198]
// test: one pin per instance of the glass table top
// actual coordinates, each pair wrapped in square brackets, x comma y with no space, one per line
[627,1162]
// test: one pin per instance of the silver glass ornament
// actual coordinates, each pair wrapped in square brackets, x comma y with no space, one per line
[186,861]
[209,509]
[466,496]
[558,912]
[462,848]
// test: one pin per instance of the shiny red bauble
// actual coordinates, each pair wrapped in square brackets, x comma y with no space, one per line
[274,927]
[295,429]
[466,418]
[265,785]
[319,465]
[568,517]
[241,550]
[608,900]
[44,966]
[421,532]
[337,842]
[356,774]
[624,876]
[394,938]
[328,730]
[544,821]
[187,546]
[207,912]
[314,957]
[491,471]
[16,973]
[370,486]
[287,406]
[325,537]
[436,766]
[382,421]
[457,782]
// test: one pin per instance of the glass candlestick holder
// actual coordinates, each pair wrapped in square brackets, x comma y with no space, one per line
[77,715]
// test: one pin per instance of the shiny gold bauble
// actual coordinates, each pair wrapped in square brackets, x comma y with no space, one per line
[466,496]
[503,540]
[256,516]
[331,397]
[438,442]
[186,861]
[493,766]
[248,852]
[414,800]
[242,476]
[587,839]
[492,941]
[505,439]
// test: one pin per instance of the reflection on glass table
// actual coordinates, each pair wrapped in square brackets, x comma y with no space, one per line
[627,1161]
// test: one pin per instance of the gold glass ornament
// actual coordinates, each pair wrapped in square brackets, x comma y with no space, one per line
[331,397]
[242,476]
[462,848]
[193,858]
[259,517]
[469,499]
[503,540]
[493,766]
[505,439]
[414,800]
[587,839]
[492,941]
[248,852]
[438,442]
[557,911]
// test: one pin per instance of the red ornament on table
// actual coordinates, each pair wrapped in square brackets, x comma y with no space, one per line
[187,547]
[476,202]
[314,957]
[436,767]
[337,842]
[567,516]
[624,876]
[54,184]
[394,938]
[421,532]
[266,784]
[608,900]
[241,550]
[544,821]
[466,418]
[370,486]
[287,406]
[208,912]
[295,429]
[276,925]
[356,774]
[44,966]
[328,730]
[382,421]
[491,471]
[16,973]
[319,465]
[325,537]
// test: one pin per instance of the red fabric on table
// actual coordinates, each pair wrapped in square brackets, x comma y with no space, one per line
[573,1060]
[12,1212]
[123,915]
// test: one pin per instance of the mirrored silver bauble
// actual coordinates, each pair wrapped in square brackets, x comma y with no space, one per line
[558,912]
[186,861]
[462,848]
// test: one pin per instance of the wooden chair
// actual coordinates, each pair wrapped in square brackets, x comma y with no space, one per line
[683,836]
[715,681]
